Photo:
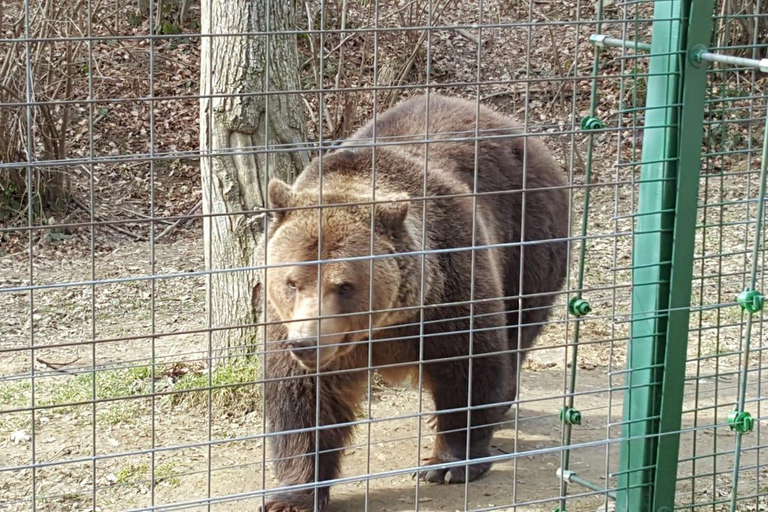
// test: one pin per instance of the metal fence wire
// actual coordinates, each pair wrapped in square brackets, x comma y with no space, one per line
[141,369]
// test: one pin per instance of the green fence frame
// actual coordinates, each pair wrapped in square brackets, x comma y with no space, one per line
[664,244]
[651,265]
[663,258]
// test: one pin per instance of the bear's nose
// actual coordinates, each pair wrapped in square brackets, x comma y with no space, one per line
[302,343]
[303,348]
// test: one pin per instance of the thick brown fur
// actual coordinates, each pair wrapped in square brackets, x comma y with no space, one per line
[500,335]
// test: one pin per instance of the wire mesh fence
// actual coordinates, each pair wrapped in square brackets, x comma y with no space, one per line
[719,359]
[140,368]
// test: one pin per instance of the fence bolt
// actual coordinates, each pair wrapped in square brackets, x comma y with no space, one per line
[579,307]
[740,421]
[591,123]
[696,53]
[570,416]
[751,300]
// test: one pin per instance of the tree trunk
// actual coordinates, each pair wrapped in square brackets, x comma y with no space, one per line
[233,66]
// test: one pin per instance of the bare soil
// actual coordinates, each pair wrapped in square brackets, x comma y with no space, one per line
[121,432]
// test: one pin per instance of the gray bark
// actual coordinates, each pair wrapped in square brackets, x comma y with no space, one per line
[184,12]
[235,184]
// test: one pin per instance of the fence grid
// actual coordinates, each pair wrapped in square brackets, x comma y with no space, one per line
[137,347]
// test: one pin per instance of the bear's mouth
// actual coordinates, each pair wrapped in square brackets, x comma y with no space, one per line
[307,357]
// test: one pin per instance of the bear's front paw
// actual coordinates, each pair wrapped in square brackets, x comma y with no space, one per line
[303,501]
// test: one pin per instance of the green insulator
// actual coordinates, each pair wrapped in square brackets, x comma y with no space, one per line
[751,300]
[740,421]
[591,123]
[579,307]
[570,416]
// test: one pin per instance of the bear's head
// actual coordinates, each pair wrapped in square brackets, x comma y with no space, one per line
[321,279]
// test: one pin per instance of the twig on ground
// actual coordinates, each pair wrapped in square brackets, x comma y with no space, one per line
[141,215]
[108,224]
[56,366]
[173,226]
[466,34]
[497,94]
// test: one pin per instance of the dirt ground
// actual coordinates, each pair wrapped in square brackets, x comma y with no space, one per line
[120,432]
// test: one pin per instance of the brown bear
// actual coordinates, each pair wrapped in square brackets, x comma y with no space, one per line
[383,276]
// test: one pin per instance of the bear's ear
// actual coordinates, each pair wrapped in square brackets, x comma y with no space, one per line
[280,194]
[391,216]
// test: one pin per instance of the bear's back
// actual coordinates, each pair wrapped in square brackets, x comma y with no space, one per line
[498,148]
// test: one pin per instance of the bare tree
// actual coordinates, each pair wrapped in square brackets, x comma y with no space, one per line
[162,18]
[239,121]
[184,11]
[743,25]
[38,131]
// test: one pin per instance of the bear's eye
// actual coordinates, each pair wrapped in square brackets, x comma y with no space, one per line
[291,285]
[345,289]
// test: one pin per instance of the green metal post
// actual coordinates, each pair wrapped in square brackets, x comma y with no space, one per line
[652,256]
[698,34]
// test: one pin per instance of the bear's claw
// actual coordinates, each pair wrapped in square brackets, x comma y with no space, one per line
[453,475]
[295,502]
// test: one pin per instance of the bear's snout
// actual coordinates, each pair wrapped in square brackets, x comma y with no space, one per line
[304,350]
[306,336]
